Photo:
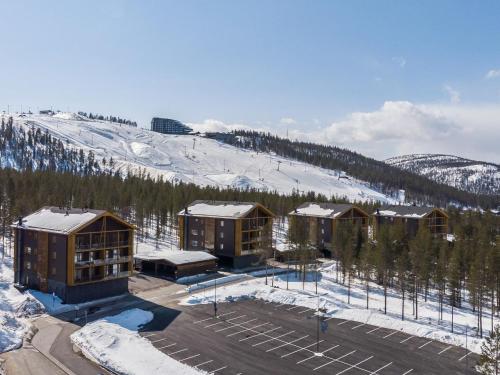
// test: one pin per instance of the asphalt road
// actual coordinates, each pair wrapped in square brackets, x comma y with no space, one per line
[255,337]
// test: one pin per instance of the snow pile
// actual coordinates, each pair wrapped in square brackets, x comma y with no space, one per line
[333,297]
[114,343]
[13,326]
[69,116]
[196,159]
[211,283]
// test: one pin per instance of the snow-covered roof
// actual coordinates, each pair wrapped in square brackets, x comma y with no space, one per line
[416,212]
[327,210]
[178,257]
[224,209]
[58,220]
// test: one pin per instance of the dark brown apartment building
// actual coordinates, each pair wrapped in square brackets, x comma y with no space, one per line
[412,217]
[78,254]
[238,233]
[321,221]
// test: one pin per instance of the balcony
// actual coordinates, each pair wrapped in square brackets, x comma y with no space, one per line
[100,262]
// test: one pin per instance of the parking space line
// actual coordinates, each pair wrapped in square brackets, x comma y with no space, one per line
[330,318]
[286,343]
[334,360]
[203,363]
[445,349]
[359,325]
[345,321]
[383,367]
[223,321]
[163,339]
[315,355]
[261,333]
[214,324]
[465,356]
[407,372]
[234,325]
[405,340]
[273,338]
[293,308]
[390,334]
[299,349]
[212,317]
[246,329]
[373,330]
[149,335]
[167,346]
[356,365]
[178,351]
[306,310]
[214,371]
[421,346]
[185,359]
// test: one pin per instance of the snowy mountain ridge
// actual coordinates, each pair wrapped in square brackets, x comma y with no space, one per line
[190,158]
[470,175]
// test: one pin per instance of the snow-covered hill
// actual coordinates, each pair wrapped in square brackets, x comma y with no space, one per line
[465,174]
[195,159]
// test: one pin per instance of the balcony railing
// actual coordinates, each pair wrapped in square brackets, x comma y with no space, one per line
[100,262]
[101,245]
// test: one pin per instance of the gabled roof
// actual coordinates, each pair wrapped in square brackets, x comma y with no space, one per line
[326,210]
[416,212]
[223,209]
[178,257]
[61,220]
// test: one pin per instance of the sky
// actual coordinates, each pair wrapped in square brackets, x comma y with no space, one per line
[383,78]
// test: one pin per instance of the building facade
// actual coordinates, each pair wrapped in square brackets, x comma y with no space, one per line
[77,254]
[412,217]
[169,126]
[238,233]
[322,219]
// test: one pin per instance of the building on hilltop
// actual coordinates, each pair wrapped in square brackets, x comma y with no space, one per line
[238,233]
[169,126]
[412,217]
[77,254]
[322,219]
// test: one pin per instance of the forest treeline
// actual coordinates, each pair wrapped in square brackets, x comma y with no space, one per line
[119,120]
[378,174]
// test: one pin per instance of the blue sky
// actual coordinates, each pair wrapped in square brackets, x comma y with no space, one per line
[345,72]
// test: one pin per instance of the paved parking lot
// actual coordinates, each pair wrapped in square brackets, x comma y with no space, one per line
[256,337]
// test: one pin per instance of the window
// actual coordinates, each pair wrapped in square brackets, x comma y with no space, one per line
[222,246]
[54,255]
[194,243]
[222,223]
[34,266]
[322,231]
[322,221]
[27,250]
[53,272]
[194,232]
[221,234]
[54,239]
[28,265]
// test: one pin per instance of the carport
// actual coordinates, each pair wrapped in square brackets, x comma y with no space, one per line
[175,264]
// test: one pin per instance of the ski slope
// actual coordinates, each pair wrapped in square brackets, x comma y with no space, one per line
[197,159]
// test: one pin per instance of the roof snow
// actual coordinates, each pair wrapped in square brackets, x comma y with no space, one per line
[404,211]
[58,220]
[330,210]
[178,257]
[219,209]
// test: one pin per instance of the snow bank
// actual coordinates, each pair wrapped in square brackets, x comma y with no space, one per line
[14,306]
[219,281]
[333,297]
[114,343]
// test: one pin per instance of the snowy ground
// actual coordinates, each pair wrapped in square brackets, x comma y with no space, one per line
[333,297]
[13,307]
[114,343]
[195,159]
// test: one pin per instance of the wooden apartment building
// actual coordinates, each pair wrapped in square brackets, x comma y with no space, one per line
[78,254]
[412,217]
[322,220]
[238,233]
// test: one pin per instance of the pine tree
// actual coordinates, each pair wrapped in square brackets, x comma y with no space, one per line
[490,353]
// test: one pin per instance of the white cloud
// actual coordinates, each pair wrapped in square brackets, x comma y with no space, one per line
[494,73]
[288,121]
[454,94]
[400,60]
[211,125]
